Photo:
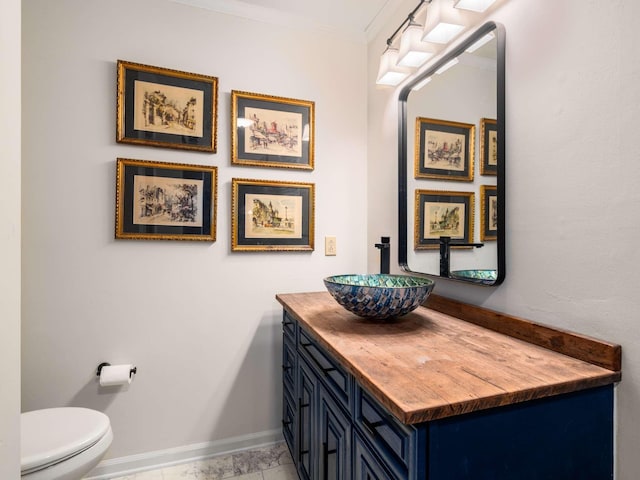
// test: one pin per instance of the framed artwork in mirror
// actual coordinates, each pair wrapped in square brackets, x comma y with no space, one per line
[272,216]
[488,213]
[444,150]
[268,131]
[160,107]
[488,146]
[442,213]
[165,201]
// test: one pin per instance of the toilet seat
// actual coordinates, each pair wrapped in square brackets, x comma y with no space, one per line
[54,435]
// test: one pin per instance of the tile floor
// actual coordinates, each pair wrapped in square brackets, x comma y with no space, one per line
[268,463]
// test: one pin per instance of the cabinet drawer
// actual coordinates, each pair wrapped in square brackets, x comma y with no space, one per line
[288,365]
[337,380]
[393,441]
[289,326]
[366,465]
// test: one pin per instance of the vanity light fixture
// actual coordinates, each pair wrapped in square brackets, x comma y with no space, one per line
[413,51]
[444,21]
[443,33]
[388,72]
[473,5]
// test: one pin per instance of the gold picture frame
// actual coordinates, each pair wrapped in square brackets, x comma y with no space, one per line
[270,131]
[488,146]
[160,107]
[442,213]
[488,212]
[444,150]
[271,215]
[165,201]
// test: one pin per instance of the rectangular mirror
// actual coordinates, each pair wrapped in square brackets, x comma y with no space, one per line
[451,164]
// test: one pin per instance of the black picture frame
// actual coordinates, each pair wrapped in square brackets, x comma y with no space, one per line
[160,107]
[271,215]
[165,201]
[270,131]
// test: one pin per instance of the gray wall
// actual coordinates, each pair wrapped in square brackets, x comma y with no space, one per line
[10,240]
[200,322]
[572,175]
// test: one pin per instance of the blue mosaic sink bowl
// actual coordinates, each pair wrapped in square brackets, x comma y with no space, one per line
[379,296]
[485,277]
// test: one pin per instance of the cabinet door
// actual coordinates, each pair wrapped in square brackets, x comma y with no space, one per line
[366,465]
[335,439]
[289,421]
[306,421]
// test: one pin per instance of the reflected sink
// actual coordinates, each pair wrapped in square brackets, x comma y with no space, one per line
[485,277]
[379,296]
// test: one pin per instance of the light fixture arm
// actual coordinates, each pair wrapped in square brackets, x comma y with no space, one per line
[409,19]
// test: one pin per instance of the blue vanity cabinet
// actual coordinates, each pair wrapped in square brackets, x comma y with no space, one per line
[398,445]
[289,372]
[337,429]
[305,456]
[562,437]
[366,465]
[334,433]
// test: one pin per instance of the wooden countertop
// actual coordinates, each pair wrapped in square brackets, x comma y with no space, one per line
[430,364]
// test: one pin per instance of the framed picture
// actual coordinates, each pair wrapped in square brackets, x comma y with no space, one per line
[165,201]
[269,131]
[488,147]
[166,108]
[444,150]
[442,213]
[488,212]
[272,216]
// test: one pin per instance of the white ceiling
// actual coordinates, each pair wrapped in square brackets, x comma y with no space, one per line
[358,19]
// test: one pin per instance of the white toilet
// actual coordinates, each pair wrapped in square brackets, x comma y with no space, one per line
[63,443]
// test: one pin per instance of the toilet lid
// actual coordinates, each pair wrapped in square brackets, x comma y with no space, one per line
[53,434]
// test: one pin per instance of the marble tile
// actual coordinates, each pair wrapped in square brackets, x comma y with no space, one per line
[148,475]
[281,472]
[214,468]
[268,463]
[260,459]
[211,469]
[250,476]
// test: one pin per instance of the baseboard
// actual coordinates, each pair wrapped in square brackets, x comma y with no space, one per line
[117,467]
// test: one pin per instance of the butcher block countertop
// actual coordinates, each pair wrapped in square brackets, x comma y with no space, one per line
[449,358]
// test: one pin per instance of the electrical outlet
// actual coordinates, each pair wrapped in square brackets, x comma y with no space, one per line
[330,246]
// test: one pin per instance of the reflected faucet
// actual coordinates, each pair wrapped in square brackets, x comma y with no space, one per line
[445,253]
[385,254]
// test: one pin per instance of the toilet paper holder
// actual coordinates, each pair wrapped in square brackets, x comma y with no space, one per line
[132,372]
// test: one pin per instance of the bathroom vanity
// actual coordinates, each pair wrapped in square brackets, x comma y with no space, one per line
[449,391]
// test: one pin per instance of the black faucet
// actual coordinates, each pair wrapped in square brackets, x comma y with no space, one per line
[385,254]
[445,253]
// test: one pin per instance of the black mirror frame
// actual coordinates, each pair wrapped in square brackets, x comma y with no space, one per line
[501,178]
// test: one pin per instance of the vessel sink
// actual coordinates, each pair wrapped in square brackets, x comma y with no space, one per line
[379,296]
[485,277]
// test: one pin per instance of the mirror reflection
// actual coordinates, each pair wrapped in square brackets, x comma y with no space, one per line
[451,164]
